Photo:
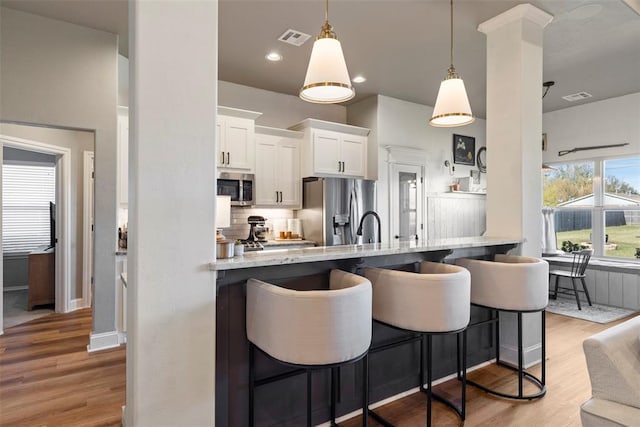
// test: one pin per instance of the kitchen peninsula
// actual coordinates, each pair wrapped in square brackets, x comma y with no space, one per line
[391,372]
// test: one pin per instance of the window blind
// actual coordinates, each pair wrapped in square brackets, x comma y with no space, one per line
[26,193]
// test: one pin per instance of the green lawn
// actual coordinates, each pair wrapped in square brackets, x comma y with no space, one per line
[626,237]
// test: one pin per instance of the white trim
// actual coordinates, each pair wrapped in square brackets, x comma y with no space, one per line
[122,337]
[63,212]
[103,341]
[518,13]
[530,355]
[87,233]
[77,304]
[399,396]
[15,288]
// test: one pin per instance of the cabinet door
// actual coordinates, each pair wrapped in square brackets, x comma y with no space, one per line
[326,153]
[352,153]
[266,170]
[238,141]
[123,159]
[221,148]
[288,174]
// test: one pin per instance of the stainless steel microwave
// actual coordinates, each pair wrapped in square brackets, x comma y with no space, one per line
[240,186]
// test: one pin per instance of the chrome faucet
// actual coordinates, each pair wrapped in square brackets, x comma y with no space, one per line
[366,214]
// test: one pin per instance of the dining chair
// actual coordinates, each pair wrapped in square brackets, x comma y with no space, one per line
[578,271]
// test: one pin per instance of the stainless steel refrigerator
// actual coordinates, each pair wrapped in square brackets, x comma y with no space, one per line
[333,207]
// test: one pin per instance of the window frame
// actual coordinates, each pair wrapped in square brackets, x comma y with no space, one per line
[599,209]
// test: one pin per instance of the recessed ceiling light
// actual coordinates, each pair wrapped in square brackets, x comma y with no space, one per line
[273,56]
[359,79]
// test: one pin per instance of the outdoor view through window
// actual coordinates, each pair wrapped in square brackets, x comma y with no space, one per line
[587,194]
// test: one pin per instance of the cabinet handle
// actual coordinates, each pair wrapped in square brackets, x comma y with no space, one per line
[342,166]
[281,197]
[228,158]
[223,157]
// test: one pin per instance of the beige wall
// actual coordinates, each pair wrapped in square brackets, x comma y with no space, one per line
[78,142]
[65,75]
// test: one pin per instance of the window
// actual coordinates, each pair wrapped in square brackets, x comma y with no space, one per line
[26,193]
[597,205]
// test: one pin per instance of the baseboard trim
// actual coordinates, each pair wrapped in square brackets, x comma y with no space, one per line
[15,288]
[399,396]
[530,355]
[122,337]
[76,304]
[103,341]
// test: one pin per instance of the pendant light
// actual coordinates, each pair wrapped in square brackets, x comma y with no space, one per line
[452,105]
[327,80]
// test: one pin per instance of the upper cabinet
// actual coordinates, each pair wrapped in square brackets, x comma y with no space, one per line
[333,149]
[235,130]
[278,182]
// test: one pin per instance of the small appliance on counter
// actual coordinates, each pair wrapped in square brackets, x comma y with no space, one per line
[257,233]
[257,228]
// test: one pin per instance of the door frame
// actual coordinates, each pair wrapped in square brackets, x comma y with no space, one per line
[394,169]
[88,159]
[63,212]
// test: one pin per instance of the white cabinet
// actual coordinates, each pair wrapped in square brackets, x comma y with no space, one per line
[123,156]
[278,182]
[235,136]
[333,149]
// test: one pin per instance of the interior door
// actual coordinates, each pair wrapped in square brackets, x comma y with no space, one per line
[406,201]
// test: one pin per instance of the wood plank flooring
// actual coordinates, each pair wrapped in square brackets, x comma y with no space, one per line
[568,387]
[47,378]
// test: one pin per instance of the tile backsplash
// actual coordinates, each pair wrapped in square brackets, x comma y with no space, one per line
[240,229]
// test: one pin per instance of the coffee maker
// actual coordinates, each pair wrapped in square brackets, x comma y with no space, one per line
[257,230]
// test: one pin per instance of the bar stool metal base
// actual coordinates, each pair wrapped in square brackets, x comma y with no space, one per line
[522,374]
[426,339]
[308,369]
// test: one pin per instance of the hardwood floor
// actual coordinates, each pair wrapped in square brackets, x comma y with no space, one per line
[47,378]
[567,388]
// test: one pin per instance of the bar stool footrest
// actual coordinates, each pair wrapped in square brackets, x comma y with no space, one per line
[446,402]
[379,418]
[530,377]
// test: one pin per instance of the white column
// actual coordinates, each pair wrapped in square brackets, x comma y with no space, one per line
[514,153]
[171,292]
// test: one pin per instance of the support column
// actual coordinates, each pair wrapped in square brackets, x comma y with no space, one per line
[514,139]
[171,292]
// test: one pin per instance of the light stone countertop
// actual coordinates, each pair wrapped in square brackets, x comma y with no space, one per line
[326,253]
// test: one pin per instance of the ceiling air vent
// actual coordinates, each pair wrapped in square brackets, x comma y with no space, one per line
[577,96]
[294,37]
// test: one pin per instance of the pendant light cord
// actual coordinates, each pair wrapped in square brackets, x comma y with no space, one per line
[451,70]
[326,11]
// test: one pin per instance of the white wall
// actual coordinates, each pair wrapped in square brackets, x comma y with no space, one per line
[278,110]
[171,294]
[402,123]
[59,74]
[78,142]
[611,121]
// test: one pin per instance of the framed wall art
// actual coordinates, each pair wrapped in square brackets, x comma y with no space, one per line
[464,150]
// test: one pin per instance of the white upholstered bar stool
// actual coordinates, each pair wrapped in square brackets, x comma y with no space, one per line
[432,302]
[310,330]
[512,284]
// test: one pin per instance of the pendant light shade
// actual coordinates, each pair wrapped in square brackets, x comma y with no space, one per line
[452,104]
[327,80]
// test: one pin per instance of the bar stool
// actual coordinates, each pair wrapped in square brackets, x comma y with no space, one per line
[514,284]
[310,330]
[433,302]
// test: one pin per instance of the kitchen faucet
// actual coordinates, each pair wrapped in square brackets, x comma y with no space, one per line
[366,214]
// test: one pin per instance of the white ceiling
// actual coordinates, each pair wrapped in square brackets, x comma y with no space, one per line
[401,46]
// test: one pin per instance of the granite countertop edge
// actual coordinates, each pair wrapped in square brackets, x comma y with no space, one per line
[325,253]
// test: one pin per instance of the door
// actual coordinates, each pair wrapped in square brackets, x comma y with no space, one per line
[406,201]
[288,172]
[352,153]
[326,153]
[237,140]
[266,170]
